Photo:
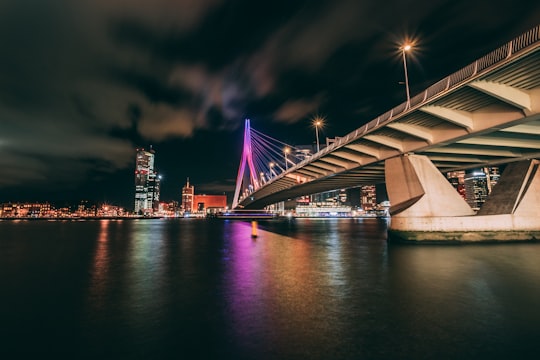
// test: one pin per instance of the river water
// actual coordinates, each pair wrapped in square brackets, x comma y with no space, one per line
[302,289]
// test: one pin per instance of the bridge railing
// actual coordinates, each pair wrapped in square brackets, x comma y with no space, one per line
[501,54]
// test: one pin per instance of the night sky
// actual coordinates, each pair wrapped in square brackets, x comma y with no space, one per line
[85,82]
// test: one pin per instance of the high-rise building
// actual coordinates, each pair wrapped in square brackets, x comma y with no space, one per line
[368,197]
[478,185]
[147,183]
[188,192]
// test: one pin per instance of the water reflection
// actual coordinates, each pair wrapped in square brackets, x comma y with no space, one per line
[127,286]
[334,259]
[277,284]
[471,292]
[100,267]
[145,267]
[302,290]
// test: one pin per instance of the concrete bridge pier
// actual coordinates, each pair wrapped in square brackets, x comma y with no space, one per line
[426,208]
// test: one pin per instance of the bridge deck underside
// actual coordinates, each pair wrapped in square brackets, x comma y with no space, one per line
[492,118]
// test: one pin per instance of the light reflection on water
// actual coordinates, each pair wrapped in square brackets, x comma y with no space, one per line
[306,289]
[100,268]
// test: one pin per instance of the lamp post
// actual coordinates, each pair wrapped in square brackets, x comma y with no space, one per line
[318,122]
[271,165]
[406,47]
[286,151]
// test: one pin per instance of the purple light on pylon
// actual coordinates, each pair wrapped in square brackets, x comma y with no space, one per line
[246,157]
[249,154]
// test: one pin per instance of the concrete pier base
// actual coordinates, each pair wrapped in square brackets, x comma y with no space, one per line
[426,208]
[489,228]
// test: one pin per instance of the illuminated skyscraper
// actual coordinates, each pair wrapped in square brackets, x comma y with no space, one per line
[479,184]
[147,182]
[188,192]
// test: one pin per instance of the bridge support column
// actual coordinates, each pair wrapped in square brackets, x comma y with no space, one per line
[426,208]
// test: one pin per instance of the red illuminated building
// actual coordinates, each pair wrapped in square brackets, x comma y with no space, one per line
[201,203]
[209,203]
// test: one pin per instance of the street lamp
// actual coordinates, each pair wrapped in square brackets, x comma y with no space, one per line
[318,122]
[286,151]
[406,47]
[271,165]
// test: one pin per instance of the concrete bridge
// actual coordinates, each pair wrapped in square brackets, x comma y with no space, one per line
[487,113]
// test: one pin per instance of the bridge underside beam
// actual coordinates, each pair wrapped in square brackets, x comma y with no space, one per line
[514,96]
[426,208]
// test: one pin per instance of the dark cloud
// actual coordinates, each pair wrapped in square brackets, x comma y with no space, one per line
[215,187]
[293,111]
[155,90]
[82,83]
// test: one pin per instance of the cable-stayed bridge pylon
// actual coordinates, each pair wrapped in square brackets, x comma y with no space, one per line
[263,159]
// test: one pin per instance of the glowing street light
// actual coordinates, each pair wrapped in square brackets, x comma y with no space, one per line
[405,48]
[271,169]
[318,122]
[286,151]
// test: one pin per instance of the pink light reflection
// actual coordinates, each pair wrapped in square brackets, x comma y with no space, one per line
[272,286]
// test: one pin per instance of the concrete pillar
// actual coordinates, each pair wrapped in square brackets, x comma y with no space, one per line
[426,208]
[416,188]
[517,191]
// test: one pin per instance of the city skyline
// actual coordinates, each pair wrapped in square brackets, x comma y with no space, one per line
[86,83]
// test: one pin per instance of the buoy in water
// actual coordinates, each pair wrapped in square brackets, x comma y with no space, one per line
[253,229]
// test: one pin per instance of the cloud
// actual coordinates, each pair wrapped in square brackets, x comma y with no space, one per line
[21,168]
[293,111]
[164,122]
[177,14]
[213,90]
[39,148]
[226,186]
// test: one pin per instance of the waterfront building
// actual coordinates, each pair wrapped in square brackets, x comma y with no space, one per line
[147,181]
[203,203]
[188,192]
[86,209]
[368,197]
[25,210]
[327,209]
[107,210]
[46,210]
[209,203]
[169,209]
[337,196]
